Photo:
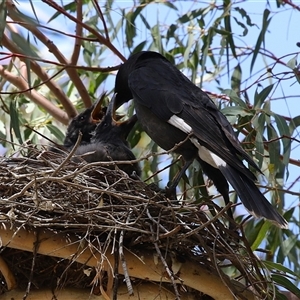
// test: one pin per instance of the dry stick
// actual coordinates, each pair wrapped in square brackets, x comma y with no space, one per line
[165,264]
[100,38]
[69,155]
[34,96]
[74,77]
[123,260]
[34,252]
[221,274]
[51,84]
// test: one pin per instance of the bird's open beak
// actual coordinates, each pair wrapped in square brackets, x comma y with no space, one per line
[125,126]
[98,112]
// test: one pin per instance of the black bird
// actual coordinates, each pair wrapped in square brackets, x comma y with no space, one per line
[85,123]
[108,142]
[171,109]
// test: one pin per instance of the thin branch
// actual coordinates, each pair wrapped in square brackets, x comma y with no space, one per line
[100,14]
[94,69]
[74,77]
[101,39]
[40,72]
[77,44]
[34,96]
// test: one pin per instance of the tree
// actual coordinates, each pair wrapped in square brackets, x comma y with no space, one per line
[51,68]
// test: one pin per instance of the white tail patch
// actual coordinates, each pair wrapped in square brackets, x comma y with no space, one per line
[208,156]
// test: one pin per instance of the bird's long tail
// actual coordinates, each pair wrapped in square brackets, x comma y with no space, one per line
[254,201]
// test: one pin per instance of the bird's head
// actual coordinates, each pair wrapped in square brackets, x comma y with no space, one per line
[134,62]
[110,129]
[85,123]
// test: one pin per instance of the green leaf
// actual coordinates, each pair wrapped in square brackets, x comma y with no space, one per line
[170,5]
[33,10]
[261,235]
[294,123]
[3,14]
[189,45]
[24,47]
[236,78]
[274,149]
[292,63]
[242,25]
[259,98]
[286,283]
[236,111]
[288,244]
[191,15]
[279,267]
[14,121]
[284,131]
[259,144]
[235,98]
[56,132]
[227,25]
[139,47]
[244,14]
[71,7]
[261,37]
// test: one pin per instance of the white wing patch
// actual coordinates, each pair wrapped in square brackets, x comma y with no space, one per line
[180,124]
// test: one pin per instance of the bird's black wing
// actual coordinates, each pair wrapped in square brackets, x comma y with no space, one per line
[167,92]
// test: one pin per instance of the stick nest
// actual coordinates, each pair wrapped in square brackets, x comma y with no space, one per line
[96,203]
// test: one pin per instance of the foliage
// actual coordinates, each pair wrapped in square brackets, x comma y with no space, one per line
[57,58]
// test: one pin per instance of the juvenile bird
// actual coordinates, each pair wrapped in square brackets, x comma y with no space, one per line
[109,143]
[172,109]
[85,123]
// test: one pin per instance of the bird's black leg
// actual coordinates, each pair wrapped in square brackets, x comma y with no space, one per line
[171,188]
[220,183]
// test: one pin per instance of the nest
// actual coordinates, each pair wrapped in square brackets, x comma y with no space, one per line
[92,227]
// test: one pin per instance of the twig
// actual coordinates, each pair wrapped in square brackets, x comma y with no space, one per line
[69,155]
[55,51]
[165,264]
[37,98]
[100,38]
[123,260]
[100,14]
[46,79]
[77,44]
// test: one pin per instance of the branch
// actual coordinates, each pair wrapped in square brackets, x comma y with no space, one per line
[101,39]
[291,4]
[39,71]
[74,77]
[94,69]
[77,44]
[34,96]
